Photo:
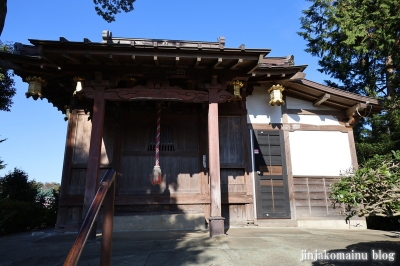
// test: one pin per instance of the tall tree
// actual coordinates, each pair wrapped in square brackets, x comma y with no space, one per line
[107,9]
[358,44]
[3,14]
[16,186]
[2,165]
[7,89]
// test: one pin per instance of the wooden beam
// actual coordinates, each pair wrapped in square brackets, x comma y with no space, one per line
[302,127]
[322,99]
[180,198]
[240,60]
[198,60]
[353,111]
[65,55]
[156,60]
[298,76]
[218,63]
[112,58]
[90,57]
[165,93]
[133,57]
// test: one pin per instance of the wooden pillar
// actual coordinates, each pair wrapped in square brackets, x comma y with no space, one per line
[353,153]
[107,227]
[93,164]
[216,220]
[66,172]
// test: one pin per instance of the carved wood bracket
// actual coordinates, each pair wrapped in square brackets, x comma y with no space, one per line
[130,94]
[352,113]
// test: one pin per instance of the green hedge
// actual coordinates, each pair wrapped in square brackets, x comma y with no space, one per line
[17,216]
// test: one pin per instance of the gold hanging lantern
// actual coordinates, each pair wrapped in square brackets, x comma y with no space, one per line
[78,89]
[276,95]
[35,87]
[237,85]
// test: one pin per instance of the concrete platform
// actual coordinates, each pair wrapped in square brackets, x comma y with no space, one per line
[241,246]
[190,221]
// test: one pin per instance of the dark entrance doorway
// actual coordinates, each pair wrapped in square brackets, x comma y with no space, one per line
[271,178]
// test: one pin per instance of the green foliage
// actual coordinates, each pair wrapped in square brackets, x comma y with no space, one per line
[372,190]
[23,206]
[358,43]
[7,89]
[16,186]
[2,165]
[17,216]
[108,9]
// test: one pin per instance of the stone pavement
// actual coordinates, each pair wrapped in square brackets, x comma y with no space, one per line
[241,246]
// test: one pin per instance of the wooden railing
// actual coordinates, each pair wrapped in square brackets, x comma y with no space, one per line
[105,192]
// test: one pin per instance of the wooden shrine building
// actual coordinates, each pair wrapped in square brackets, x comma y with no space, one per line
[241,138]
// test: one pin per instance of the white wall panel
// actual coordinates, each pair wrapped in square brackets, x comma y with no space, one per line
[258,109]
[313,119]
[319,153]
[293,103]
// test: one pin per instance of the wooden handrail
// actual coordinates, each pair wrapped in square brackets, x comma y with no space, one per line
[106,184]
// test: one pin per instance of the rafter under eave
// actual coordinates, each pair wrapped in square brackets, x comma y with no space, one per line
[322,99]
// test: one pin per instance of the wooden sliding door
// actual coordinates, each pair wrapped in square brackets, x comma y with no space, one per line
[271,177]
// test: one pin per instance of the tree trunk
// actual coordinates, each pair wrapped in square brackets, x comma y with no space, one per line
[3,13]
[389,77]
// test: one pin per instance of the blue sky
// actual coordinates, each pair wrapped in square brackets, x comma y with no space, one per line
[35,130]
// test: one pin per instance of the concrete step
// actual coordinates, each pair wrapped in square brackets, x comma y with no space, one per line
[156,222]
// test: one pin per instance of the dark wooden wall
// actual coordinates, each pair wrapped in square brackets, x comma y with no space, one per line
[185,185]
[180,167]
[236,186]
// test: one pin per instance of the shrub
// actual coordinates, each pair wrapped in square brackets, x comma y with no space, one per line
[372,190]
[22,207]
[17,216]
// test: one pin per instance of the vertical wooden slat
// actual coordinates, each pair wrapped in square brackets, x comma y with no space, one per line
[326,197]
[308,193]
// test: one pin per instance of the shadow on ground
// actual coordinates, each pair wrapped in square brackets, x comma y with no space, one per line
[129,248]
[362,253]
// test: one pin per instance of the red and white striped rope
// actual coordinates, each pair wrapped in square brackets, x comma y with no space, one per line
[158,137]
